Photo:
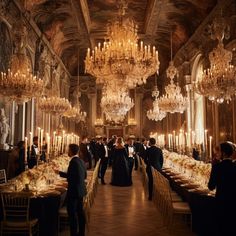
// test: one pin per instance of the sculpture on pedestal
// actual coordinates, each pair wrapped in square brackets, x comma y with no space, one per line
[4,130]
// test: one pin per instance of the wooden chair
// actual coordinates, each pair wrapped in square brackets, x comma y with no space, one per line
[3,178]
[16,219]
[175,208]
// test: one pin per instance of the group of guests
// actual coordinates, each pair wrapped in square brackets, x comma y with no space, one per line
[18,164]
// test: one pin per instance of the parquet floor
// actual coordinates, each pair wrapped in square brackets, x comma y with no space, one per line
[121,211]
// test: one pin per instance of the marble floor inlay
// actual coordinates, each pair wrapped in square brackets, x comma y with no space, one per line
[121,211]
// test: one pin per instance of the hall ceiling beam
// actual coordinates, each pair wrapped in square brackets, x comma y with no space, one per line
[152,16]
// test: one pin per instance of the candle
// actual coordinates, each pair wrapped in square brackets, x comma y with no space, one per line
[210,148]
[205,139]
[54,140]
[41,140]
[63,141]
[30,140]
[39,133]
[26,147]
[48,145]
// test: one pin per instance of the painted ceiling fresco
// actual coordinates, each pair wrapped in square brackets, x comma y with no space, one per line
[71,26]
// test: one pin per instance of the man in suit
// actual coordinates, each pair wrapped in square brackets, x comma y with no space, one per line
[153,158]
[32,158]
[131,154]
[223,179]
[143,148]
[76,174]
[102,153]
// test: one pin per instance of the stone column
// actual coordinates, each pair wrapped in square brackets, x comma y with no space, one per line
[138,114]
[188,111]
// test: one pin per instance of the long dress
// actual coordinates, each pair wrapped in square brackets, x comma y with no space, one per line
[120,168]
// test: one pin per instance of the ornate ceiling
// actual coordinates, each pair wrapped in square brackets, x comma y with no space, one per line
[71,26]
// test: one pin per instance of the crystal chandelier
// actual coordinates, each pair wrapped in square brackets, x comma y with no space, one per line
[155,113]
[18,83]
[115,104]
[121,58]
[54,105]
[173,101]
[218,83]
[80,115]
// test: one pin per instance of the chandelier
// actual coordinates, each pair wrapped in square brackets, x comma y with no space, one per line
[121,57]
[155,113]
[219,81]
[54,105]
[173,100]
[115,104]
[18,83]
[80,115]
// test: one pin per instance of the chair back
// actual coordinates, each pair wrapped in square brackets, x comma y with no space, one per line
[3,178]
[15,206]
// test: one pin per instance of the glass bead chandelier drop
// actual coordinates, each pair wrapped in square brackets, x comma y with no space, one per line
[218,83]
[173,101]
[121,58]
[155,113]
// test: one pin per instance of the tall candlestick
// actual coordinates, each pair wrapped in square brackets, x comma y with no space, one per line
[205,139]
[41,139]
[210,148]
[30,141]
[26,147]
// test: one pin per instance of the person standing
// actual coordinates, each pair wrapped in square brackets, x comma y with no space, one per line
[84,152]
[223,179]
[33,155]
[76,174]
[143,148]
[102,153]
[131,154]
[120,167]
[153,158]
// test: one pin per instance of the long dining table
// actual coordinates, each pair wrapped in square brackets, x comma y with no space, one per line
[202,203]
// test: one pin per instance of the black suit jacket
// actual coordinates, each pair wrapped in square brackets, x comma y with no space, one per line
[127,149]
[223,178]
[76,174]
[154,157]
[84,153]
[100,151]
[142,151]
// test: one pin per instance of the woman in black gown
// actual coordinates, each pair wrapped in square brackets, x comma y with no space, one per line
[120,168]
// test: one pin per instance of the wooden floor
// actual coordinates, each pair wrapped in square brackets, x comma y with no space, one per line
[121,211]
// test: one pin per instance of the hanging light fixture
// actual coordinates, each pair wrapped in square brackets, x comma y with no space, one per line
[173,100]
[54,105]
[121,58]
[18,83]
[155,113]
[218,83]
[115,103]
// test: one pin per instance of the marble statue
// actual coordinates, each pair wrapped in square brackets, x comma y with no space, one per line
[4,130]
